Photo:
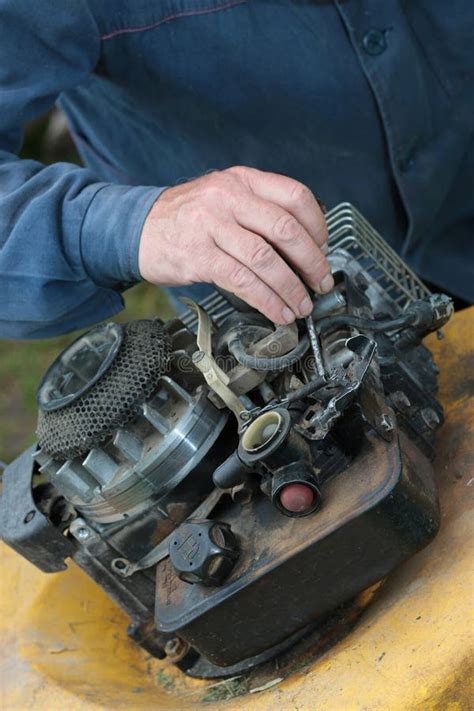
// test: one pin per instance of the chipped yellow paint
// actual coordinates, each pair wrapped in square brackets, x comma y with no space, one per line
[64,645]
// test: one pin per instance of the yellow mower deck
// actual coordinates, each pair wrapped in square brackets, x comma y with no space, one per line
[64,645]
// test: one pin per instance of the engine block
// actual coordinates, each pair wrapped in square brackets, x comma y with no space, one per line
[230,482]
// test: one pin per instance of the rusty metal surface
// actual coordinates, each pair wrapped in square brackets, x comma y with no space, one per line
[64,643]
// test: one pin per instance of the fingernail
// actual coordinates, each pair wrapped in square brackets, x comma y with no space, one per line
[288,315]
[327,283]
[306,306]
[324,248]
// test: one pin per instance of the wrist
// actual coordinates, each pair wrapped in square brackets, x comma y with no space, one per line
[155,232]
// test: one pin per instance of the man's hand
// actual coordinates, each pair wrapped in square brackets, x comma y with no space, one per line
[240,229]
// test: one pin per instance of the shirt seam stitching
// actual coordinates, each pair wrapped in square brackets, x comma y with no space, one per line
[170,18]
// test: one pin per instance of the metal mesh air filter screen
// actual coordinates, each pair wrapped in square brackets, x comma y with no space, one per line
[114,400]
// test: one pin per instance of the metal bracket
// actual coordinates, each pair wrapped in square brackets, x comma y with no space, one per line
[203,359]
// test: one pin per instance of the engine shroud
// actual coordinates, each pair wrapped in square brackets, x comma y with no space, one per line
[167,453]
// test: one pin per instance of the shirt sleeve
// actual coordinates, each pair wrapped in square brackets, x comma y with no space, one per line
[68,244]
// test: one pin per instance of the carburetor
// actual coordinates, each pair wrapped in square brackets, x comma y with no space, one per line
[230,482]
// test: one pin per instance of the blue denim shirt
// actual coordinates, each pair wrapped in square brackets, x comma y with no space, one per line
[362,100]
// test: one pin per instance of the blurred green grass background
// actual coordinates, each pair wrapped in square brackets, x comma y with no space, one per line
[22,363]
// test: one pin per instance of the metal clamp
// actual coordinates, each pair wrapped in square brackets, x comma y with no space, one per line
[125,569]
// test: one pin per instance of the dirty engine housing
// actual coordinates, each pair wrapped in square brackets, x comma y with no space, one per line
[230,482]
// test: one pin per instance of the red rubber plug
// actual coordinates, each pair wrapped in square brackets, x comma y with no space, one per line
[297,498]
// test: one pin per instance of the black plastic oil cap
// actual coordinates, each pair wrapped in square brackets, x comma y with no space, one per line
[203,551]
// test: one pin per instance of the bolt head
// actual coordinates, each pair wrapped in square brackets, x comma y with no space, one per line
[172,646]
[401,400]
[242,494]
[430,418]
[176,648]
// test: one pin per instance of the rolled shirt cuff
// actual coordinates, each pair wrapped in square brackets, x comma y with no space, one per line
[111,230]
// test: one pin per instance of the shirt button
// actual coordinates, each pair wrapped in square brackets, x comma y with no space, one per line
[406,163]
[374,42]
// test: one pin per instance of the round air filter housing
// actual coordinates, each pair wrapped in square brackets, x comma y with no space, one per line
[98,384]
[117,434]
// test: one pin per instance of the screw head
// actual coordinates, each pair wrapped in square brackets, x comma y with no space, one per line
[245,415]
[121,566]
[386,423]
[29,516]
[83,533]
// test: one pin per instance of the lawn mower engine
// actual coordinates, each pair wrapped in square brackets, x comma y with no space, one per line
[230,482]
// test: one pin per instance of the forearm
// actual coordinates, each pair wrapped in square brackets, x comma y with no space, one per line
[68,246]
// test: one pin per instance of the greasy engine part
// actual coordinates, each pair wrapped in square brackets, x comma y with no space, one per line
[230,482]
